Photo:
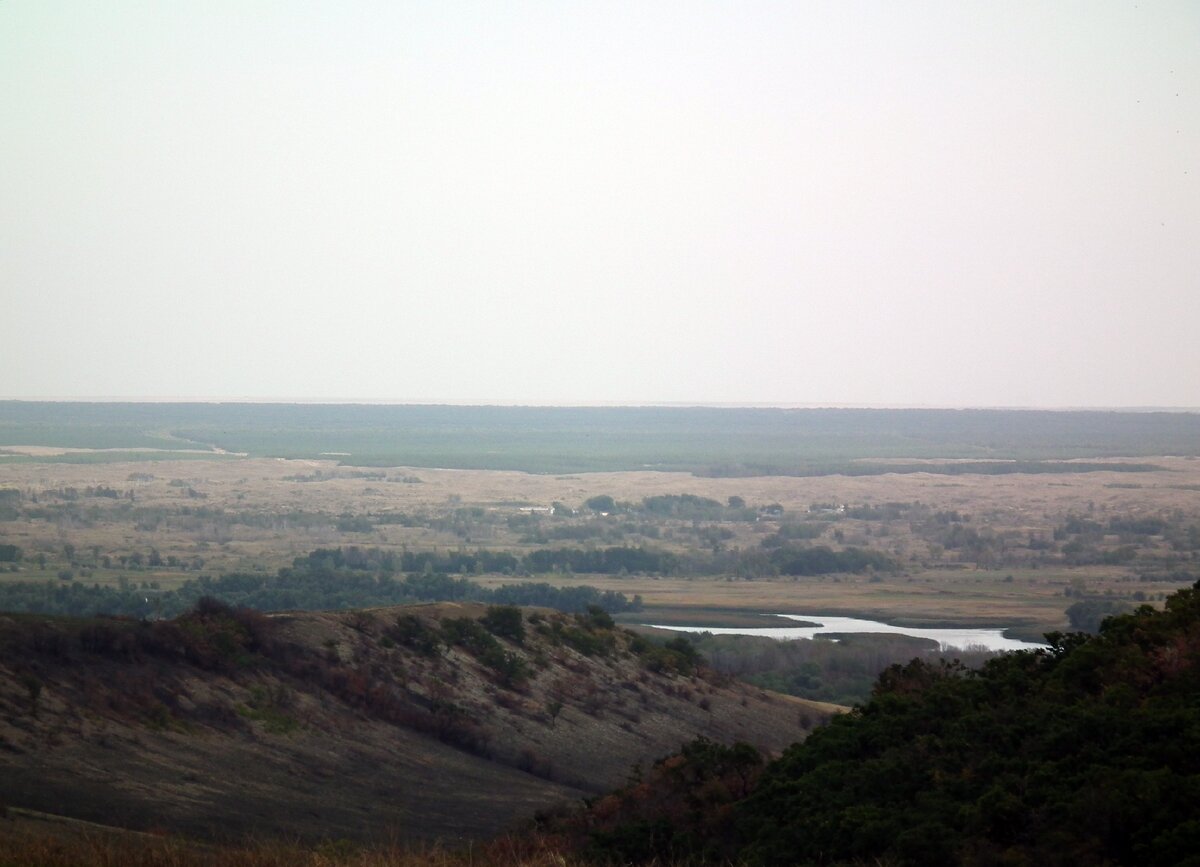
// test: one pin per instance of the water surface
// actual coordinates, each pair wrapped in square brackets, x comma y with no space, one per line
[963,638]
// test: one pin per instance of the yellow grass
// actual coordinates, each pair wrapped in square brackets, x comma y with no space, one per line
[1007,503]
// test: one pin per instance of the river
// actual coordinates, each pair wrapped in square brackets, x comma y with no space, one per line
[973,639]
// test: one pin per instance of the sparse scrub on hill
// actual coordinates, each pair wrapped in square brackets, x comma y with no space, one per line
[247,693]
[475,636]
[212,636]
[270,708]
[414,633]
[590,634]
[674,656]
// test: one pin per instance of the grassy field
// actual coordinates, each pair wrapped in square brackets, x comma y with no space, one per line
[258,514]
[1028,606]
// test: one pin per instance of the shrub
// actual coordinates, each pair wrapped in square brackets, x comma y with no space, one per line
[511,670]
[414,633]
[596,618]
[585,641]
[506,622]
[678,656]
[468,634]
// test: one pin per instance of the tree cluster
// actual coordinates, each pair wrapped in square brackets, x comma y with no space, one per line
[1085,753]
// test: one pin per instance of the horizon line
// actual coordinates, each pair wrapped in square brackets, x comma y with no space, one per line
[589,404]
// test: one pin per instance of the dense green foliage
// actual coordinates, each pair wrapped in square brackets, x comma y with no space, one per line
[608,561]
[1085,753]
[685,506]
[321,581]
[681,813]
[720,441]
[842,671]
[822,560]
[505,621]
[1088,614]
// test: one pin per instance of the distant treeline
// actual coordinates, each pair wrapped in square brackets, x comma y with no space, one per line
[713,440]
[354,577]
[616,560]
[610,561]
[323,580]
[941,468]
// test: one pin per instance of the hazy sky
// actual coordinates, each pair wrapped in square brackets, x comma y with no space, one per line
[958,203]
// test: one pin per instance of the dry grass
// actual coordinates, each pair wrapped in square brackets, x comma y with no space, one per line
[1008,503]
[29,839]
[339,726]
[979,598]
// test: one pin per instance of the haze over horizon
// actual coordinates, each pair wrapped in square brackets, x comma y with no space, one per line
[565,404]
[813,204]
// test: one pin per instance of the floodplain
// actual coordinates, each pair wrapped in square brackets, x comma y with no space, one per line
[1013,549]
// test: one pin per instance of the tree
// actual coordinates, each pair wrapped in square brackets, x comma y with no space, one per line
[601,503]
[505,621]
[1087,615]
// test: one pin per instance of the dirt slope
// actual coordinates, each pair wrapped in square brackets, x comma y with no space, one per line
[403,723]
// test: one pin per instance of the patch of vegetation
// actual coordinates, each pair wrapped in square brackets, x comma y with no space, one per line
[269,708]
[591,634]
[1085,753]
[715,441]
[684,506]
[506,621]
[474,636]
[315,582]
[469,634]
[681,812]
[789,532]
[1087,615]
[675,655]
[841,672]
[822,560]
[414,633]
[211,636]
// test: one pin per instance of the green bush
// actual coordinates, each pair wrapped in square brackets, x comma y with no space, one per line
[675,656]
[506,622]
[467,633]
[510,669]
[414,633]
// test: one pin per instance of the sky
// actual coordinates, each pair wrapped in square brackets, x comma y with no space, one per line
[810,203]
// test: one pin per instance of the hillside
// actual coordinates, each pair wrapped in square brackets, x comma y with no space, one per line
[444,721]
[1086,753]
